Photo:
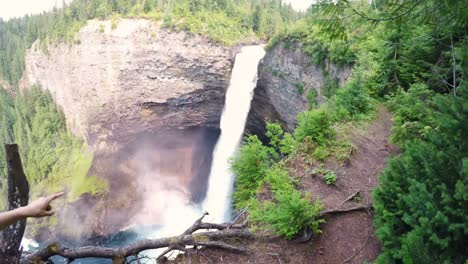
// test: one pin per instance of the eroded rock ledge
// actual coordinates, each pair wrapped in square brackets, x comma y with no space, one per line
[276,98]
[138,77]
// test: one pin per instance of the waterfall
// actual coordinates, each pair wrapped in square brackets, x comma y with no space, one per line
[180,213]
[238,98]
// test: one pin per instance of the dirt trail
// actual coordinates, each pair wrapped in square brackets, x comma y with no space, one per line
[346,238]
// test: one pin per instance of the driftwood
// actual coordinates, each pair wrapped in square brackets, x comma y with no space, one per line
[209,239]
[18,195]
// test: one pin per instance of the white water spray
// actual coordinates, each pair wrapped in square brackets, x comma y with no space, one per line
[237,106]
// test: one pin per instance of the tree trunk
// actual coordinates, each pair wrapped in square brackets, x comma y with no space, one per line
[18,195]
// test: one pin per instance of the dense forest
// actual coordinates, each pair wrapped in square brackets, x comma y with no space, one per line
[411,56]
[225,21]
[53,159]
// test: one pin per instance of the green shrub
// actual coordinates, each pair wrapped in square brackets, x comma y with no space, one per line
[274,134]
[168,21]
[343,150]
[287,144]
[114,21]
[321,153]
[277,73]
[329,177]
[312,98]
[299,88]
[318,171]
[249,166]
[331,86]
[315,124]
[278,179]
[280,141]
[421,202]
[288,214]
[352,102]
[412,113]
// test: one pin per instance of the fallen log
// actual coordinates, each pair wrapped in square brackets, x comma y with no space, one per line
[207,239]
[18,195]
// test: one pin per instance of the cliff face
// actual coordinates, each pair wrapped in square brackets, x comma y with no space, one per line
[148,102]
[281,73]
[135,78]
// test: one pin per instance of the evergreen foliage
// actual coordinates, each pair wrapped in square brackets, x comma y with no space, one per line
[412,112]
[258,167]
[421,202]
[289,211]
[414,55]
[53,160]
[352,102]
[250,166]
[225,21]
[316,125]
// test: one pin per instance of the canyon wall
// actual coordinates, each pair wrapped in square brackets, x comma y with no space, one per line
[276,97]
[148,102]
[116,83]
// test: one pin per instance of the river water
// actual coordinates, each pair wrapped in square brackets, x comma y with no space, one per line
[218,199]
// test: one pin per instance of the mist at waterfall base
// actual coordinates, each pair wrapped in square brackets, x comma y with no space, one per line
[168,207]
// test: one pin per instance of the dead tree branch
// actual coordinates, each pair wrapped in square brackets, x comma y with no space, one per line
[199,225]
[350,197]
[352,209]
[118,255]
[18,195]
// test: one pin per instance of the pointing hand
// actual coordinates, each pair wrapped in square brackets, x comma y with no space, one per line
[40,207]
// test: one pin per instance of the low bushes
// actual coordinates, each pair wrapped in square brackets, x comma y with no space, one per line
[285,210]
[352,102]
[315,124]
[288,211]
[249,166]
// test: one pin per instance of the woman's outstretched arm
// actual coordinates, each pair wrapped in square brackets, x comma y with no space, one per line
[38,208]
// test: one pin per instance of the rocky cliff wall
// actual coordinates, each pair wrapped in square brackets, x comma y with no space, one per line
[148,101]
[276,97]
[138,77]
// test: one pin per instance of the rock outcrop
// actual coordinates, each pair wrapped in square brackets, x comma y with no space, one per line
[282,72]
[148,102]
[116,83]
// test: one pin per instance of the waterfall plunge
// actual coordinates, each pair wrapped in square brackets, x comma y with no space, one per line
[180,213]
[221,180]
[237,106]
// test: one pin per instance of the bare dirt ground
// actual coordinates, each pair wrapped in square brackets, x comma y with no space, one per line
[346,237]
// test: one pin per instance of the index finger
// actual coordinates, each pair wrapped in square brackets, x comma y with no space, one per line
[54,196]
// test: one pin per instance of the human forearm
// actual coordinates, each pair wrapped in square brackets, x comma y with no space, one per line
[38,208]
[11,217]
